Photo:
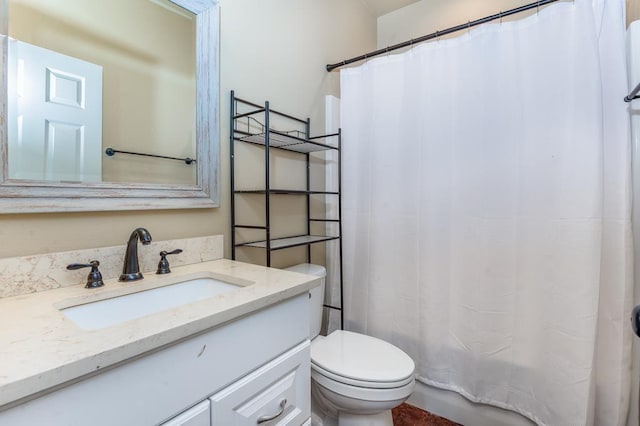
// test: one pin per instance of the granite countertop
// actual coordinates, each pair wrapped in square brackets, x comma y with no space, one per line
[41,349]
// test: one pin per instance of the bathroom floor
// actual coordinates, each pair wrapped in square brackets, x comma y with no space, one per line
[408,415]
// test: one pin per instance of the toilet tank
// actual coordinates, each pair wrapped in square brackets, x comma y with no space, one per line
[316,295]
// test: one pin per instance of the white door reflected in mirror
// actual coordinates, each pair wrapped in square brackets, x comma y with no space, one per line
[55,116]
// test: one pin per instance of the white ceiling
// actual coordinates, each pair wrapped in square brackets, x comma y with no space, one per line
[382,7]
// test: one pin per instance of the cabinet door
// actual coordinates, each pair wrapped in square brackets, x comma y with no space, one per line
[278,393]
[195,416]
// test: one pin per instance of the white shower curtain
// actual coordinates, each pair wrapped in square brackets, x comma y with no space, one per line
[486,212]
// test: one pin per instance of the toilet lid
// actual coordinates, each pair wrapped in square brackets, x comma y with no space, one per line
[361,358]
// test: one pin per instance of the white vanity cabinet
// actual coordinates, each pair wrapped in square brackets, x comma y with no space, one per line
[233,374]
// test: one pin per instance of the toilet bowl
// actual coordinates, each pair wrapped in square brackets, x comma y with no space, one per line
[355,379]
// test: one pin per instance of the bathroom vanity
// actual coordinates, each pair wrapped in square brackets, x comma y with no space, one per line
[240,357]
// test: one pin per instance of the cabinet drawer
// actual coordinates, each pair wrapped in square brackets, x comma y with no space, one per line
[277,393]
[195,416]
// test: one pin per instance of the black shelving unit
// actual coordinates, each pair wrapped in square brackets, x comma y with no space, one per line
[253,126]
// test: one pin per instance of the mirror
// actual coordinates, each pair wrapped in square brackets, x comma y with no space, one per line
[168,114]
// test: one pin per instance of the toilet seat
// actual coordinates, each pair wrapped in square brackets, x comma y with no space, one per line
[359,383]
[364,393]
[362,361]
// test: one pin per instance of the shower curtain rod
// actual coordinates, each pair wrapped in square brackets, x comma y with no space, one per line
[633,95]
[535,5]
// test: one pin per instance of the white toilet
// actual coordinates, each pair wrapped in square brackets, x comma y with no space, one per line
[355,379]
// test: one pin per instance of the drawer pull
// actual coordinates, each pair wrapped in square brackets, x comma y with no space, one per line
[263,419]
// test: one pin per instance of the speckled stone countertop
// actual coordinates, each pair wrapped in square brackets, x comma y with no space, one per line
[41,349]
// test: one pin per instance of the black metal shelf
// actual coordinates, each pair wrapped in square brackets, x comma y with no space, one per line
[250,123]
[293,140]
[288,242]
[285,192]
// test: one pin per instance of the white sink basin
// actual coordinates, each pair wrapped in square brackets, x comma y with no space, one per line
[107,312]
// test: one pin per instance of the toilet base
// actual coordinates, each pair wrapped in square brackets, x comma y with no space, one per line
[346,419]
[352,412]
[380,419]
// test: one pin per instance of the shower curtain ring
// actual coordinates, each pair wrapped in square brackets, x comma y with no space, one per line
[500,17]
[538,8]
[468,27]
[437,36]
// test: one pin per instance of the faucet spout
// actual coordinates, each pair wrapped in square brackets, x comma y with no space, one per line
[131,268]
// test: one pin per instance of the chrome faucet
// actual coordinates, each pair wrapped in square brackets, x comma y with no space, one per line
[131,268]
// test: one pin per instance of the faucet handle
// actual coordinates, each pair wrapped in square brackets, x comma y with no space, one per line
[94,279]
[163,265]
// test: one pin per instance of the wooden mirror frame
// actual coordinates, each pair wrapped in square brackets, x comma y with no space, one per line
[24,196]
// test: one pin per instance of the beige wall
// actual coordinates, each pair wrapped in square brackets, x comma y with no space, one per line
[273,50]
[633,10]
[428,16]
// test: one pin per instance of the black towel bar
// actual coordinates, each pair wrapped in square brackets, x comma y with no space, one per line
[111,152]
